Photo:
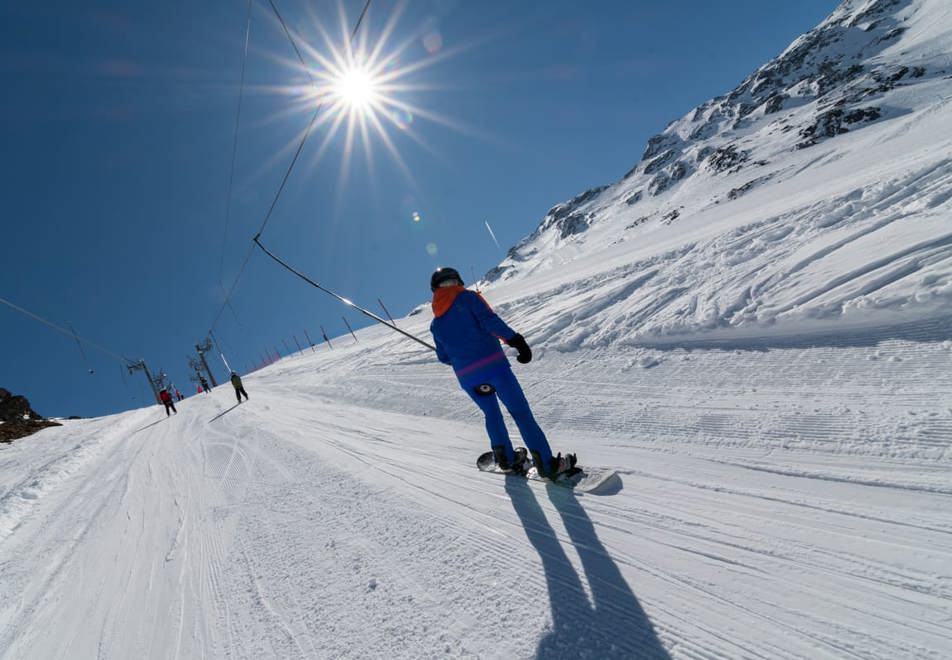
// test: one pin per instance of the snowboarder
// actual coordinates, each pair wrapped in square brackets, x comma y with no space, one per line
[239,388]
[166,399]
[467,333]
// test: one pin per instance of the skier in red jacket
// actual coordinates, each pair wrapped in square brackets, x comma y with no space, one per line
[166,398]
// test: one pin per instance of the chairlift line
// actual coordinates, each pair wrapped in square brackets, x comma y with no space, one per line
[234,147]
[81,351]
[125,383]
[342,299]
[294,45]
[124,360]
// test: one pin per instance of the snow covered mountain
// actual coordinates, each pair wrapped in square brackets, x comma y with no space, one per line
[819,189]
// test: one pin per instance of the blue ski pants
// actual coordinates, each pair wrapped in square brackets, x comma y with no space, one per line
[506,387]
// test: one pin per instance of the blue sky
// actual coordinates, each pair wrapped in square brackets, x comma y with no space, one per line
[117,121]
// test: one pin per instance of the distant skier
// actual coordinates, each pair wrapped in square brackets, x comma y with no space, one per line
[178,395]
[467,334]
[166,399]
[204,382]
[239,388]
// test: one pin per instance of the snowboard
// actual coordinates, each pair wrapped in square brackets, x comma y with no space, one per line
[581,479]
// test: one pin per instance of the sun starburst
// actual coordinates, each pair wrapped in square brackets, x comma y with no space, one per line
[360,87]
[357,88]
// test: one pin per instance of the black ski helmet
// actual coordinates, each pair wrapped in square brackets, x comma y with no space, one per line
[442,275]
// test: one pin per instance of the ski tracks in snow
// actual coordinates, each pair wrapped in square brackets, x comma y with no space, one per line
[778,501]
[804,265]
[793,489]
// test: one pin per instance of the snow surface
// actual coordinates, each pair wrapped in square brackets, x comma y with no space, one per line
[775,501]
[771,375]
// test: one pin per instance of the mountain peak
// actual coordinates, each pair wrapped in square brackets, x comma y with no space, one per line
[829,81]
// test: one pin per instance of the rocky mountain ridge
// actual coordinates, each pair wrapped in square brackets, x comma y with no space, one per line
[834,79]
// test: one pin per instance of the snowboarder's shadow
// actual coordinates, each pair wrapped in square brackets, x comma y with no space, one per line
[612,624]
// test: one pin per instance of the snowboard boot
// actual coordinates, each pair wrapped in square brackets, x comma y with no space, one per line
[565,465]
[520,465]
[502,461]
[558,467]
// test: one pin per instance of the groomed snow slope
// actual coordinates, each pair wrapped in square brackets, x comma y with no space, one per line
[782,501]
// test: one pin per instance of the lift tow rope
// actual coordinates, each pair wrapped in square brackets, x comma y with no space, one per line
[347,302]
[69,333]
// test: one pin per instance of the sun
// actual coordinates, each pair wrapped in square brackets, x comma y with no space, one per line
[356,88]
[363,90]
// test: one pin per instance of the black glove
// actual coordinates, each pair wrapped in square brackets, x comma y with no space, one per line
[518,342]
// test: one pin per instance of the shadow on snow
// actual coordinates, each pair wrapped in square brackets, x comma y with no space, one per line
[613,624]
[222,413]
[148,426]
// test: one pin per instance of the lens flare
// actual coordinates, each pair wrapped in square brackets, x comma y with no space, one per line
[431,249]
[433,42]
[402,119]
[416,217]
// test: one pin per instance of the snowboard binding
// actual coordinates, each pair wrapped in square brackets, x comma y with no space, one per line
[516,466]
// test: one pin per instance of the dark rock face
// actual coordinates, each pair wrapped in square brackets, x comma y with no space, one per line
[655,164]
[774,103]
[633,198]
[704,152]
[726,158]
[835,122]
[573,224]
[831,75]
[14,408]
[887,78]
[567,217]
[668,177]
[659,184]
[734,193]
[640,221]
[656,145]
[18,418]
[670,216]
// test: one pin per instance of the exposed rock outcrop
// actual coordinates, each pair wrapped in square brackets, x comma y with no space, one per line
[18,418]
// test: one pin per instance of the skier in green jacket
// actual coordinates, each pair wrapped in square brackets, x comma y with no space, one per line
[239,388]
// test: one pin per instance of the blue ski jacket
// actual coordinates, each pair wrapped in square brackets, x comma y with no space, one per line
[467,332]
